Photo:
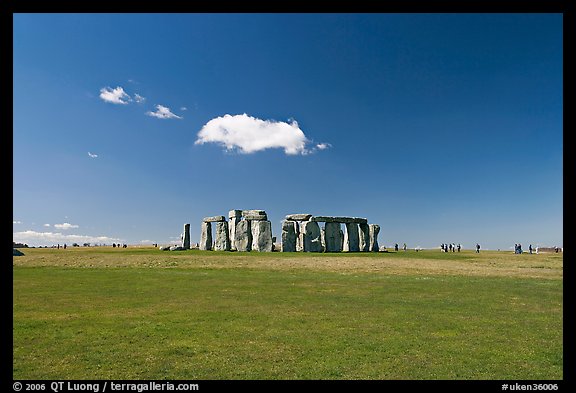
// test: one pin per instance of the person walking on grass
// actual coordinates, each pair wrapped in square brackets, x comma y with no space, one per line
[477,248]
[404,247]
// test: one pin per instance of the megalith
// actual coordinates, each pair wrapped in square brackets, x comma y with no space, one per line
[374,230]
[311,236]
[333,237]
[233,217]
[289,236]
[243,236]
[222,237]
[352,242]
[261,236]
[186,237]
[206,236]
[364,237]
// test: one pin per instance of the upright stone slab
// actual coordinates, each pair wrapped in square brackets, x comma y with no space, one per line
[233,217]
[333,237]
[243,237]
[374,231]
[345,244]
[311,237]
[261,236]
[289,236]
[352,242]
[222,237]
[341,239]
[299,236]
[206,236]
[323,238]
[364,235]
[186,237]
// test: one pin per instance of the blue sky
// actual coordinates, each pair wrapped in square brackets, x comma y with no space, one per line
[438,127]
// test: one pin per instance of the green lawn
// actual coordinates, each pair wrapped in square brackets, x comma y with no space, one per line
[146,314]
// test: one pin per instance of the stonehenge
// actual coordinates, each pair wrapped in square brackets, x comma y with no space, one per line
[250,230]
[245,230]
[302,232]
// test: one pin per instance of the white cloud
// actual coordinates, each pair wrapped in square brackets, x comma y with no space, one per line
[138,98]
[16,222]
[114,96]
[323,146]
[163,112]
[33,238]
[65,226]
[92,155]
[46,225]
[249,134]
[183,108]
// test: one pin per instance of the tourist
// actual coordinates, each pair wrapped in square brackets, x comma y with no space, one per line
[64,245]
[459,247]
[404,247]
[530,248]
[477,248]
[396,247]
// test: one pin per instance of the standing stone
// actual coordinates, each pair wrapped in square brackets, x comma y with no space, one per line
[289,236]
[206,236]
[234,216]
[352,239]
[261,236]
[333,237]
[341,239]
[222,237]
[311,237]
[186,237]
[299,236]
[323,238]
[374,230]
[364,237]
[243,237]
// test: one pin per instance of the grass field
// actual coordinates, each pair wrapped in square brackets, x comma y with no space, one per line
[140,313]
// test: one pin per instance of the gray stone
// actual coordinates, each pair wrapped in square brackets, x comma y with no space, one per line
[333,237]
[262,236]
[358,220]
[382,249]
[186,237]
[233,221]
[235,214]
[341,239]
[176,248]
[214,219]
[17,253]
[206,236]
[364,236]
[374,231]
[299,236]
[311,237]
[222,237]
[298,217]
[289,236]
[323,239]
[253,211]
[256,217]
[342,220]
[243,237]
[352,238]
[164,248]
